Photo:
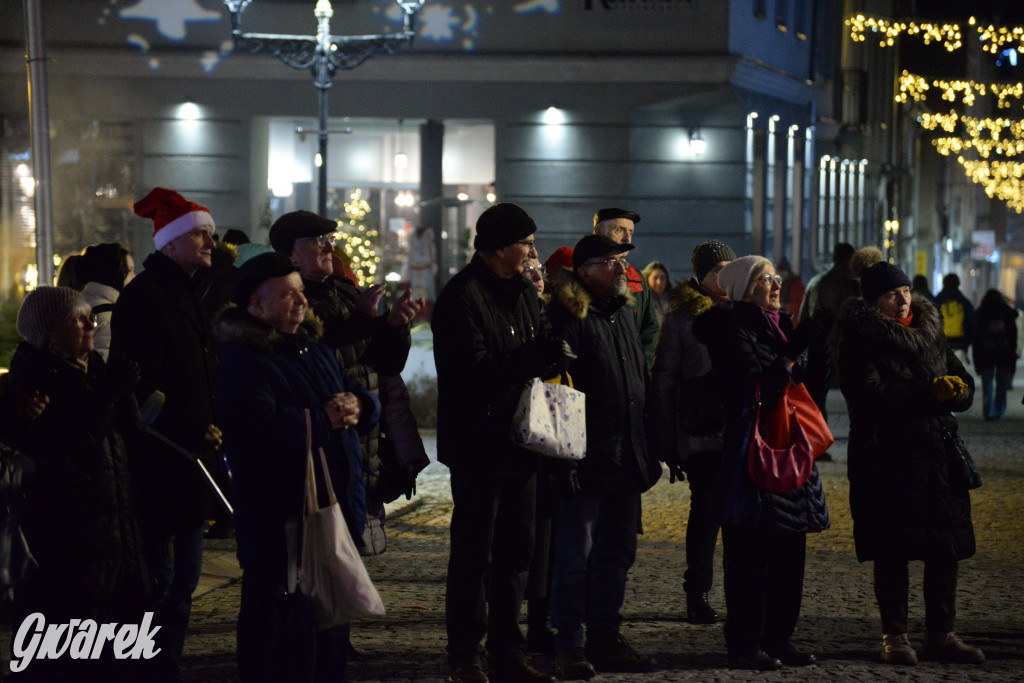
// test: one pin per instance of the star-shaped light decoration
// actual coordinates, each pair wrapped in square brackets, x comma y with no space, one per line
[170,15]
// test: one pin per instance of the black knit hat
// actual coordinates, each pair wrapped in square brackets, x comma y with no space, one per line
[501,225]
[881,278]
[297,225]
[707,255]
[258,270]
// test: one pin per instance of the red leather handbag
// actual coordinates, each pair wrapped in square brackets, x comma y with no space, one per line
[782,453]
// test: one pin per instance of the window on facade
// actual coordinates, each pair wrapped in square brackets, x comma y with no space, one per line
[782,15]
[800,19]
[759,9]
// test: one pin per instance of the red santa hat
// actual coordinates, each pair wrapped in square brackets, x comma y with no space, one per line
[172,215]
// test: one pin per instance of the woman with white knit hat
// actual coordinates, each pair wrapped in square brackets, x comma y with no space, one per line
[753,346]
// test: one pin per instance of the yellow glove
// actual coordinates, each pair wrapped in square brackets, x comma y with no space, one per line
[947,387]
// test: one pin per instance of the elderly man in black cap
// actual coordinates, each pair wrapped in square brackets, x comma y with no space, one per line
[276,386]
[488,342]
[619,225]
[598,515]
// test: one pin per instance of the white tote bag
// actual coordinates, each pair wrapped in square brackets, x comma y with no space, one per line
[331,571]
[551,419]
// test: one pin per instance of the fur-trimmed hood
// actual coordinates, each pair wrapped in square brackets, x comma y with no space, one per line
[235,325]
[568,290]
[686,296]
[860,321]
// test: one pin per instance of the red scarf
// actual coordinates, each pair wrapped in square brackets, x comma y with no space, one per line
[905,321]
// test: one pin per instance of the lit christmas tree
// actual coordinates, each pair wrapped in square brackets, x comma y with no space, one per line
[359,240]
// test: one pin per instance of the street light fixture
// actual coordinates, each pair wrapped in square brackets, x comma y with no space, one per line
[323,54]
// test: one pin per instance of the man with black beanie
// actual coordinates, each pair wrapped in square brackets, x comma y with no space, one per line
[488,342]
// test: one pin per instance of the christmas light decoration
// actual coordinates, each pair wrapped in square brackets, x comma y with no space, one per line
[916,88]
[994,39]
[359,240]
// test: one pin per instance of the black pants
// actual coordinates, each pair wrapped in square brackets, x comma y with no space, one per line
[492,538]
[702,472]
[892,586]
[764,580]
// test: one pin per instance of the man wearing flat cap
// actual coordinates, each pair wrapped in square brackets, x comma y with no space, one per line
[365,344]
[619,225]
[277,385]
[488,342]
[598,514]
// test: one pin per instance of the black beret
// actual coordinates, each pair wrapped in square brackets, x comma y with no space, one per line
[501,225]
[296,225]
[594,246]
[258,270]
[608,214]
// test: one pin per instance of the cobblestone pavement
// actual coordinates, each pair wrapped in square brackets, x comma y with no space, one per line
[838,621]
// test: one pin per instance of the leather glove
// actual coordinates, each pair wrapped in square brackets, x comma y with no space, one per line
[675,470]
[569,483]
[554,355]
[122,376]
[802,337]
[947,387]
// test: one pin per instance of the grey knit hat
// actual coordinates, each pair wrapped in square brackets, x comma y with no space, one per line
[707,255]
[43,308]
[735,277]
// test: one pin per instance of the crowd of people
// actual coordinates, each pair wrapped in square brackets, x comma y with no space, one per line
[136,403]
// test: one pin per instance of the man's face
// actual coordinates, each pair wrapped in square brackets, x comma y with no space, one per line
[280,303]
[193,250]
[534,272]
[605,276]
[514,256]
[312,256]
[619,229]
[710,281]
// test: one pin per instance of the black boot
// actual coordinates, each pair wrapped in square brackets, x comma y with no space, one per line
[699,610]
[539,638]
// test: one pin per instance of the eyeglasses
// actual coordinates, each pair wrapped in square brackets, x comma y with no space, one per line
[611,263]
[320,241]
[529,271]
[768,278]
[531,244]
[91,321]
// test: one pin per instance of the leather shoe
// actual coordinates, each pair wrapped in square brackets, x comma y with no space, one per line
[789,655]
[540,640]
[699,610]
[519,671]
[572,665]
[759,660]
[468,673]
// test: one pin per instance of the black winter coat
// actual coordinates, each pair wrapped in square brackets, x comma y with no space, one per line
[995,341]
[900,497]
[77,516]
[366,347]
[158,323]
[746,351]
[485,333]
[611,369]
[265,383]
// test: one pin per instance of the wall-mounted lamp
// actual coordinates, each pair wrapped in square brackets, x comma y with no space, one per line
[401,158]
[697,144]
[554,116]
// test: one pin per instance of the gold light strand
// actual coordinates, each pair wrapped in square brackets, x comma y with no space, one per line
[1000,136]
[994,39]
[1003,180]
[916,88]
[360,240]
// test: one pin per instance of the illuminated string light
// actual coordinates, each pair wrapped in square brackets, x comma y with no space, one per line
[359,240]
[994,39]
[917,88]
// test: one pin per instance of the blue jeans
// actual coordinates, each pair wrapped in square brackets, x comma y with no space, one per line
[995,382]
[596,546]
[174,564]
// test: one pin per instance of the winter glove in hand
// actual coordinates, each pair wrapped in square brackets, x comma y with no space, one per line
[802,337]
[675,470]
[122,376]
[569,483]
[554,355]
[947,387]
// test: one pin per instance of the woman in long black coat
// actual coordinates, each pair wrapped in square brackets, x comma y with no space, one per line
[77,516]
[751,344]
[902,383]
[995,351]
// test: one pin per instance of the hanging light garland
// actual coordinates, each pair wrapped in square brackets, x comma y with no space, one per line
[993,39]
[916,88]
[360,240]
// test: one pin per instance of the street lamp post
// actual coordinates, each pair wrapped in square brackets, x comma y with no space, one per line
[323,54]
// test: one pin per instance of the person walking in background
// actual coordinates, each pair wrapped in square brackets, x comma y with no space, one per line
[995,351]
[488,343]
[656,275]
[277,386]
[792,289]
[104,270]
[78,517]
[902,384]
[684,405]
[919,285]
[764,535]
[159,324]
[958,319]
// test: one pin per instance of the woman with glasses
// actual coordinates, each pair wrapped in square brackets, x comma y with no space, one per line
[77,517]
[754,347]
[104,270]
